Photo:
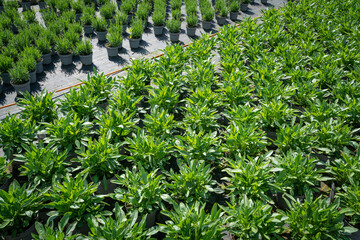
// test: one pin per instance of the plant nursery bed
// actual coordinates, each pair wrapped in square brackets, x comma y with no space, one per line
[56,76]
[253,134]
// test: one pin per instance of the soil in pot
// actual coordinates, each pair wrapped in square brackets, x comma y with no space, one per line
[112,51]
[234,16]
[86,59]
[101,36]
[46,58]
[39,67]
[88,29]
[20,88]
[221,20]
[191,31]
[174,37]
[158,30]
[206,25]
[32,77]
[66,59]
[134,43]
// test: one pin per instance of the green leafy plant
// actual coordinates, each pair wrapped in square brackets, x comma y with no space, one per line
[74,197]
[38,108]
[84,47]
[19,74]
[221,8]
[114,38]
[124,226]
[298,173]
[78,6]
[63,46]
[107,10]
[6,63]
[4,170]
[141,190]
[158,18]
[42,164]
[66,131]
[98,158]
[350,200]
[234,5]
[148,151]
[252,177]
[192,20]
[136,28]
[99,24]
[315,218]
[99,85]
[193,182]
[14,132]
[159,122]
[250,219]
[173,25]
[208,14]
[191,222]
[19,207]
[44,45]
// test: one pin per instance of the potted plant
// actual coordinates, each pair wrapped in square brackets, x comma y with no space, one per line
[43,44]
[189,221]
[114,38]
[34,53]
[14,132]
[121,227]
[64,49]
[173,26]
[158,18]
[20,79]
[78,7]
[107,11]
[100,162]
[140,190]
[30,64]
[42,164]
[207,17]
[75,197]
[244,5]
[85,50]
[120,19]
[191,20]
[234,9]
[222,11]
[6,63]
[19,208]
[100,26]
[86,19]
[136,32]
[26,4]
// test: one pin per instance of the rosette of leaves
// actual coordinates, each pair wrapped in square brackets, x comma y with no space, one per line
[75,197]
[243,113]
[350,201]
[252,177]
[19,207]
[298,173]
[159,122]
[253,219]
[134,84]
[315,218]
[66,131]
[38,108]
[44,45]
[201,73]
[123,100]
[189,221]
[84,47]
[346,167]
[140,190]
[297,136]
[200,117]
[123,226]
[14,132]
[148,151]
[244,139]
[193,182]
[99,24]
[81,102]
[107,10]
[199,146]
[64,231]
[116,124]
[333,135]
[136,28]
[98,158]
[165,97]
[275,113]
[99,85]
[42,164]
